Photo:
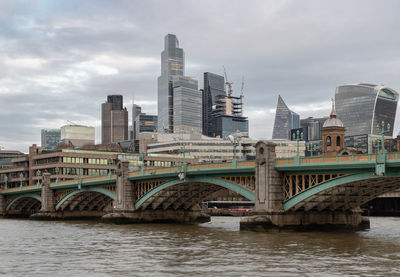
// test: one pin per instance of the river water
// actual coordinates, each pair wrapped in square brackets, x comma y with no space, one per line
[73,248]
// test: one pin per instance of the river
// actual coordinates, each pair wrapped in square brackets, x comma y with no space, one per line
[84,248]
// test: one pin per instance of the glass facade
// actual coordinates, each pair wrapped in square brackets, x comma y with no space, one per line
[363,107]
[146,123]
[285,120]
[228,125]
[312,128]
[214,85]
[187,105]
[50,138]
[172,64]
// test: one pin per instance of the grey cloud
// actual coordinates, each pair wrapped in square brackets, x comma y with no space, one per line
[301,50]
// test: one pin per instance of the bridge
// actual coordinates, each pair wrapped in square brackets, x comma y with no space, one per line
[293,192]
[160,194]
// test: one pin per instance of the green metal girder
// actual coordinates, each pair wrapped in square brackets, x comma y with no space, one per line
[290,203]
[95,189]
[29,195]
[199,179]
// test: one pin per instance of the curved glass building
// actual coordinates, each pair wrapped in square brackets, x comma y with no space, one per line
[362,107]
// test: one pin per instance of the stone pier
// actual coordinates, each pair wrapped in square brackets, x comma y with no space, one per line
[269,212]
[47,210]
[2,205]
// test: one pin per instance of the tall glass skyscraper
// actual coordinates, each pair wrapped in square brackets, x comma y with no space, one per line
[285,120]
[172,64]
[214,85]
[363,107]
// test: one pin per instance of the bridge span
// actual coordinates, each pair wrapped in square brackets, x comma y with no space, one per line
[297,192]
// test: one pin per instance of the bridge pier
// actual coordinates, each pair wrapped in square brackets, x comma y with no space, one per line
[2,205]
[47,210]
[269,211]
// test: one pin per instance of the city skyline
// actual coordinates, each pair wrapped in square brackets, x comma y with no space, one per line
[59,65]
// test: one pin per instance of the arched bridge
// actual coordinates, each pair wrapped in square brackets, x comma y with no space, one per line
[291,191]
[176,188]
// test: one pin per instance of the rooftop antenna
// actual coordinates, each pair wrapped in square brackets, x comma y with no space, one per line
[229,84]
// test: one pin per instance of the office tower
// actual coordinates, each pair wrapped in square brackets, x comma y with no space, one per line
[214,85]
[50,138]
[187,105]
[136,110]
[145,123]
[285,120]
[312,128]
[172,64]
[114,120]
[363,107]
[77,135]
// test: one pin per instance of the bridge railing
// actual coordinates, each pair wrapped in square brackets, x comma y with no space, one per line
[360,158]
[193,167]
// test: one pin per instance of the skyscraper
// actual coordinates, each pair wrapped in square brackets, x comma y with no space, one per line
[136,110]
[172,64]
[186,105]
[114,120]
[285,120]
[214,86]
[363,107]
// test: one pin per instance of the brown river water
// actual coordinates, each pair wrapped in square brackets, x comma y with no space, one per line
[84,248]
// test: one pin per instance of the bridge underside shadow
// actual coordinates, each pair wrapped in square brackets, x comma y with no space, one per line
[176,201]
[343,194]
[23,206]
[84,204]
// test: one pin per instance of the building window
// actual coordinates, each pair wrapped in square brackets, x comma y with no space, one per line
[338,141]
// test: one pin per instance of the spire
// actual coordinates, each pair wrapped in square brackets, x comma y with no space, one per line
[333,113]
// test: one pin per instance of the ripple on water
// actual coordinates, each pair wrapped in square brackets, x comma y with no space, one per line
[36,248]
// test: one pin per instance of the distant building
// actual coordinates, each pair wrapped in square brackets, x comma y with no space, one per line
[187,105]
[214,86]
[172,64]
[288,148]
[363,107]
[77,135]
[145,123]
[114,120]
[50,138]
[312,128]
[285,120]
[136,110]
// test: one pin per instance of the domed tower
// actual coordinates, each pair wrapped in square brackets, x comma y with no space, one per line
[332,134]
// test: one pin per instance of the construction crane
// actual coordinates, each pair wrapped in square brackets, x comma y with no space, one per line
[241,90]
[229,84]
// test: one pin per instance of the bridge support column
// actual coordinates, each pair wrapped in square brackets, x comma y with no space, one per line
[2,205]
[124,206]
[269,212]
[48,208]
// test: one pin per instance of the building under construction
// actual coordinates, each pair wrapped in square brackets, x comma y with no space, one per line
[222,112]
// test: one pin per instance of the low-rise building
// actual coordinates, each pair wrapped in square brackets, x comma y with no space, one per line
[77,135]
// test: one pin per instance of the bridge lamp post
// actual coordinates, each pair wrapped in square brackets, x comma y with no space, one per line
[38,175]
[383,131]
[297,137]
[312,148]
[109,167]
[57,171]
[21,175]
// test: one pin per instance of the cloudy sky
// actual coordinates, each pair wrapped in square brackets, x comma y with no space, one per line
[60,59]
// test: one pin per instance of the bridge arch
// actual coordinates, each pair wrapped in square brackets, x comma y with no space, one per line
[96,190]
[345,192]
[33,199]
[209,184]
